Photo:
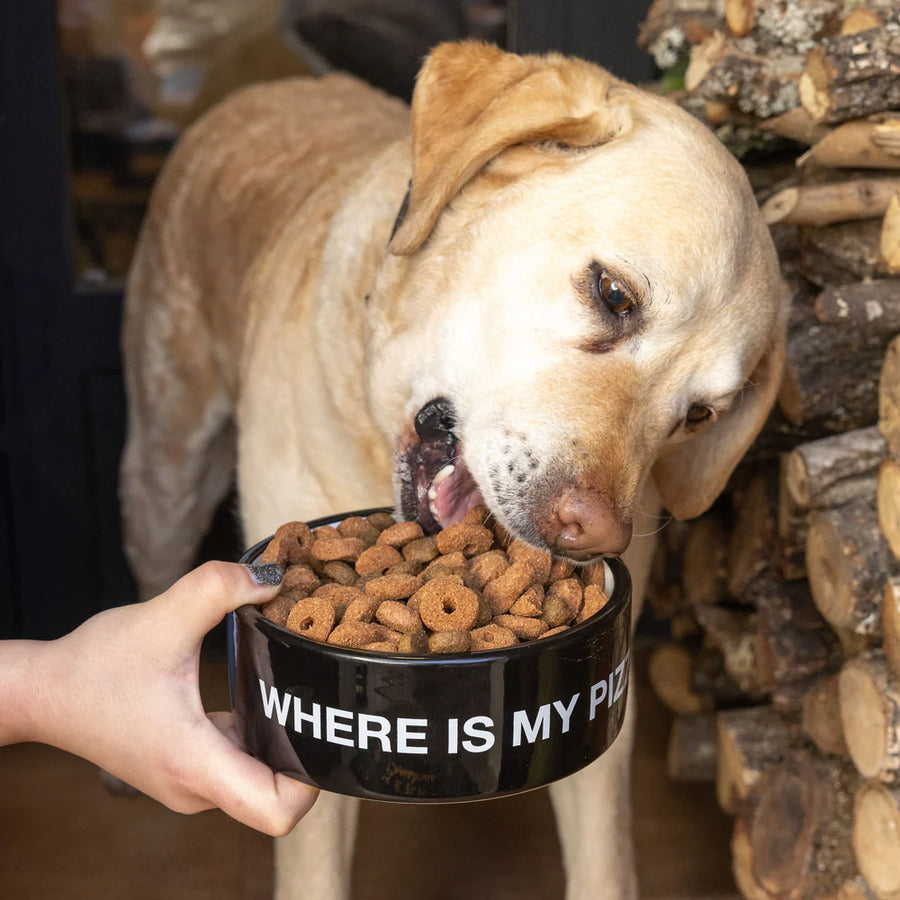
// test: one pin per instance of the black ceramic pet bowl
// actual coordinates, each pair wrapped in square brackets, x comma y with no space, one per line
[426,729]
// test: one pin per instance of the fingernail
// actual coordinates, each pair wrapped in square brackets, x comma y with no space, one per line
[266,573]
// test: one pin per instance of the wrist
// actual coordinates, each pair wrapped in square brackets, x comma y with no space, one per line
[23,678]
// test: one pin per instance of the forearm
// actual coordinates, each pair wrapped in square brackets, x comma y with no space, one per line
[23,693]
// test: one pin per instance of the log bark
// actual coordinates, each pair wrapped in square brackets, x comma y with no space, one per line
[729,72]
[793,642]
[704,566]
[670,673]
[734,632]
[800,833]
[870,714]
[825,204]
[793,528]
[835,470]
[830,382]
[889,397]
[750,741]
[857,145]
[755,504]
[890,233]
[852,76]
[865,304]
[842,253]
[672,26]
[889,504]
[890,623]
[876,838]
[820,716]
[795,125]
[693,748]
[848,562]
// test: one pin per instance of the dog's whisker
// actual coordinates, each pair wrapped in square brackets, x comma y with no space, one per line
[666,521]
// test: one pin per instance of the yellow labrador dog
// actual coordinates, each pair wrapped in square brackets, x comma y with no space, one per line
[577,311]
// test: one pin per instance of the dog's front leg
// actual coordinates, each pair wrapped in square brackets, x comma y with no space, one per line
[593,818]
[314,861]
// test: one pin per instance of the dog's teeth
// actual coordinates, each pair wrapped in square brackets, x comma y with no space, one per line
[446,472]
[434,512]
[432,493]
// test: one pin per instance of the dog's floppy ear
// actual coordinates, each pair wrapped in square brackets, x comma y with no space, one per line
[693,473]
[473,101]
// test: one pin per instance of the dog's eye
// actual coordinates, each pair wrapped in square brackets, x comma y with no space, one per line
[615,295]
[697,415]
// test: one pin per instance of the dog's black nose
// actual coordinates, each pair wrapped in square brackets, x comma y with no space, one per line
[435,417]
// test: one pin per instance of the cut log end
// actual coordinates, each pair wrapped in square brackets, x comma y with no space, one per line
[863,719]
[876,838]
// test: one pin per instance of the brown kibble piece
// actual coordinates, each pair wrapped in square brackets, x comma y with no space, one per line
[593,574]
[289,546]
[569,590]
[393,587]
[398,616]
[504,590]
[343,549]
[416,642]
[594,600]
[407,567]
[278,609]
[422,550]
[469,539]
[325,532]
[300,577]
[341,572]
[522,627]
[446,605]
[380,520]
[540,560]
[378,559]
[556,611]
[485,613]
[530,604]
[449,642]
[561,568]
[455,562]
[355,635]
[381,647]
[487,567]
[361,609]
[492,637]
[477,515]
[400,533]
[558,630]
[312,618]
[358,527]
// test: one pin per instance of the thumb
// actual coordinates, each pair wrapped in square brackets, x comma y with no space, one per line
[203,597]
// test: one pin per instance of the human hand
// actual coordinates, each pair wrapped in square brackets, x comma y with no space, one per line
[122,690]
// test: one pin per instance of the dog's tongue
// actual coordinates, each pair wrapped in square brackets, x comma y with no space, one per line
[453,493]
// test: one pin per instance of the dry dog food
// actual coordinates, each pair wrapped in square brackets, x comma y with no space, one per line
[375,584]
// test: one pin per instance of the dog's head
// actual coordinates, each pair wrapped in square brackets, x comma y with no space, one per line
[581,295]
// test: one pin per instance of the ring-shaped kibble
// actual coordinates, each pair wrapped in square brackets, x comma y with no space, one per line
[343,549]
[465,537]
[376,560]
[312,618]
[400,533]
[492,637]
[446,605]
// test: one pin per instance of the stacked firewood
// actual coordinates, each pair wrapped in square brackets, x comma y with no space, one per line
[782,604]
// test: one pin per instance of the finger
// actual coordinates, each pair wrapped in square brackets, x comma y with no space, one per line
[202,598]
[249,791]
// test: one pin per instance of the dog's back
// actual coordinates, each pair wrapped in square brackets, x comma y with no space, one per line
[232,185]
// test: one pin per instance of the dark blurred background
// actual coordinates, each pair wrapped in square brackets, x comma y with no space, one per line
[93,95]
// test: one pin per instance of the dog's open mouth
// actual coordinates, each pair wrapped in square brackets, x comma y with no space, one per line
[436,488]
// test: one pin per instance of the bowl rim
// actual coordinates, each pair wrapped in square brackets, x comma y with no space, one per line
[619,603]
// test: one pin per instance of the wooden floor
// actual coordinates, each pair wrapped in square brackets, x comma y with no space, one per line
[62,836]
